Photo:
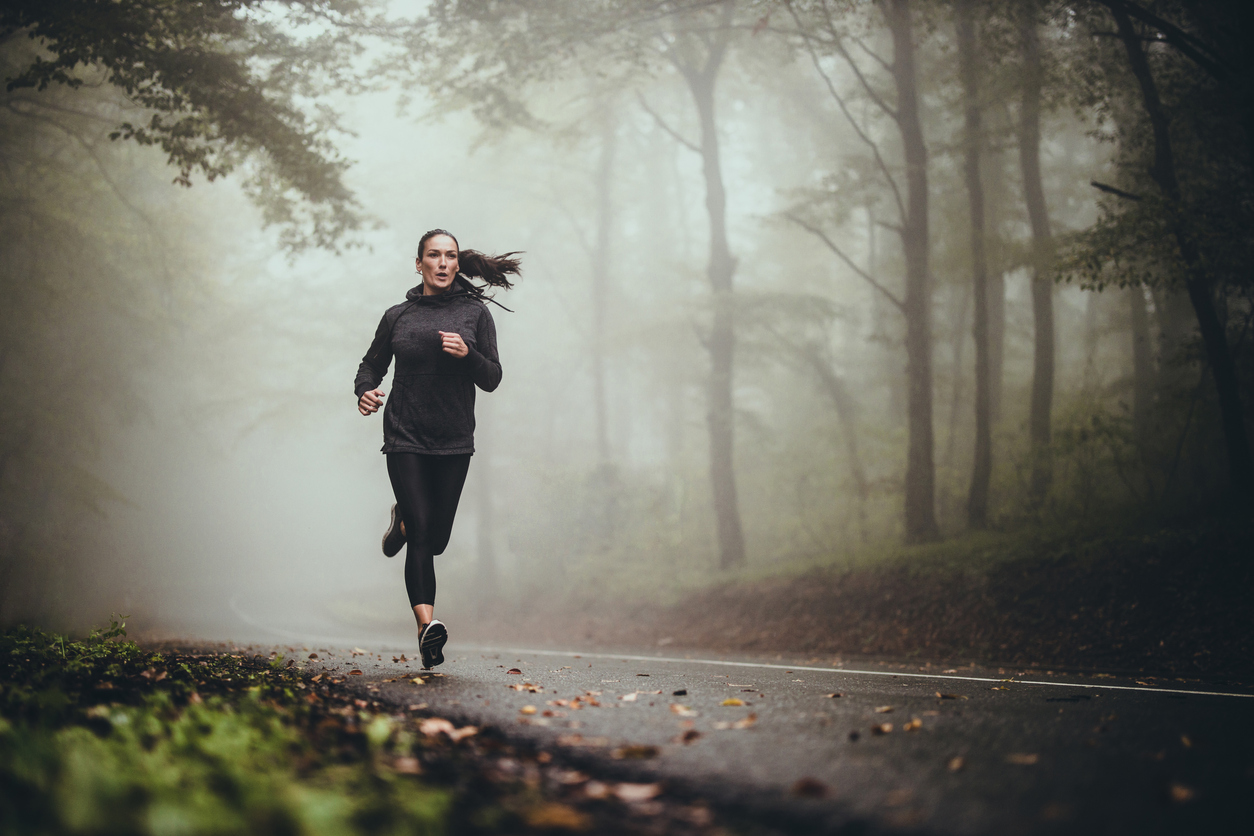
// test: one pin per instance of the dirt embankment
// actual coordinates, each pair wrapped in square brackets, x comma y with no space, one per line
[1174,601]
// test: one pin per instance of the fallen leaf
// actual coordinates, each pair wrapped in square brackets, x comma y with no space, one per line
[416,706]
[648,692]
[635,752]
[514,670]
[881,728]
[526,686]
[941,696]
[354,672]
[628,697]
[357,651]
[465,731]
[999,688]
[690,736]
[360,703]
[733,701]
[634,793]
[898,798]
[553,815]
[682,710]
[1186,742]
[580,740]
[809,788]
[418,680]
[434,725]
[955,764]
[317,678]
[884,709]
[313,655]
[914,724]
[834,696]
[527,709]
[596,789]
[1180,793]
[745,722]
[407,766]
[1022,759]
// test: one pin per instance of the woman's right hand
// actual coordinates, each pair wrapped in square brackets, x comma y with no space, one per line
[370,402]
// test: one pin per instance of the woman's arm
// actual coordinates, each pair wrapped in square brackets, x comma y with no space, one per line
[372,369]
[485,365]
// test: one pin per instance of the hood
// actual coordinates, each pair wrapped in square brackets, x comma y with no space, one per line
[461,287]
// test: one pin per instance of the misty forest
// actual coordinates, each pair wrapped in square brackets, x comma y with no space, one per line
[805,283]
[911,328]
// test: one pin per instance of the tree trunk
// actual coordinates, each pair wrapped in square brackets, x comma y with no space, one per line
[996,342]
[977,500]
[1197,279]
[722,343]
[600,278]
[920,513]
[1039,418]
[1142,367]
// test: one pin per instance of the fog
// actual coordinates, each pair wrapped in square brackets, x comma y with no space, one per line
[182,444]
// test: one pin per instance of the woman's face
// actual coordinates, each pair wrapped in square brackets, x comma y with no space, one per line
[438,263]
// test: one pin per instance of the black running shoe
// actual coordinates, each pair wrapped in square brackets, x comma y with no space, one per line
[431,644]
[393,538]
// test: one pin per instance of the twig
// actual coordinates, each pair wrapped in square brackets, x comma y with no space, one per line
[661,123]
[867,277]
[1115,191]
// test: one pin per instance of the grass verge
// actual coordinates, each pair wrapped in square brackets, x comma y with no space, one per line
[102,736]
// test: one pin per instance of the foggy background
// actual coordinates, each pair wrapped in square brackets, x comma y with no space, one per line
[181,439]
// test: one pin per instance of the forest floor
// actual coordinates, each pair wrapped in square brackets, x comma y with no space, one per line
[1167,598]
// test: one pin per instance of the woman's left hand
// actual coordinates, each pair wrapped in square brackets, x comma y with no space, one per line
[454,344]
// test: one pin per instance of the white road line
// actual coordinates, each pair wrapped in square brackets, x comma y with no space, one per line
[629,658]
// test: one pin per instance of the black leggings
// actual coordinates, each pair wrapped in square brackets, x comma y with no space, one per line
[427,489]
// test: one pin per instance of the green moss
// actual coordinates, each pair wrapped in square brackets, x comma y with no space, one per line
[101,737]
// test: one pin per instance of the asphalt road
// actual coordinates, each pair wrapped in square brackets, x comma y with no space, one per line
[969,751]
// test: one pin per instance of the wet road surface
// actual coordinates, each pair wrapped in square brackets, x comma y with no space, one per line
[818,748]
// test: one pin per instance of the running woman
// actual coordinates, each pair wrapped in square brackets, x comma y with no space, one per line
[444,342]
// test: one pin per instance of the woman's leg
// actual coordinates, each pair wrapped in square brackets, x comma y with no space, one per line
[427,490]
[413,502]
[447,476]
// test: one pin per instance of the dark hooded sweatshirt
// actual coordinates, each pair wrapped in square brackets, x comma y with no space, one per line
[431,408]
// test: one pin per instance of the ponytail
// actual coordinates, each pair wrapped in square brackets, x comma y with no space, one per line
[493,269]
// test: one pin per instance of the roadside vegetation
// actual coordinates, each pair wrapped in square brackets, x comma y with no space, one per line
[1152,597]
[101,735]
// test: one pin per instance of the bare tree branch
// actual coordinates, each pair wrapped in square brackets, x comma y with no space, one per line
[844,108]
[867,277]
[661,123]
[1115,191]
[1177,37]
[887,66]
[839,46]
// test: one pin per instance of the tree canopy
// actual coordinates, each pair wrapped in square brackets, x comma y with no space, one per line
[216,82]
